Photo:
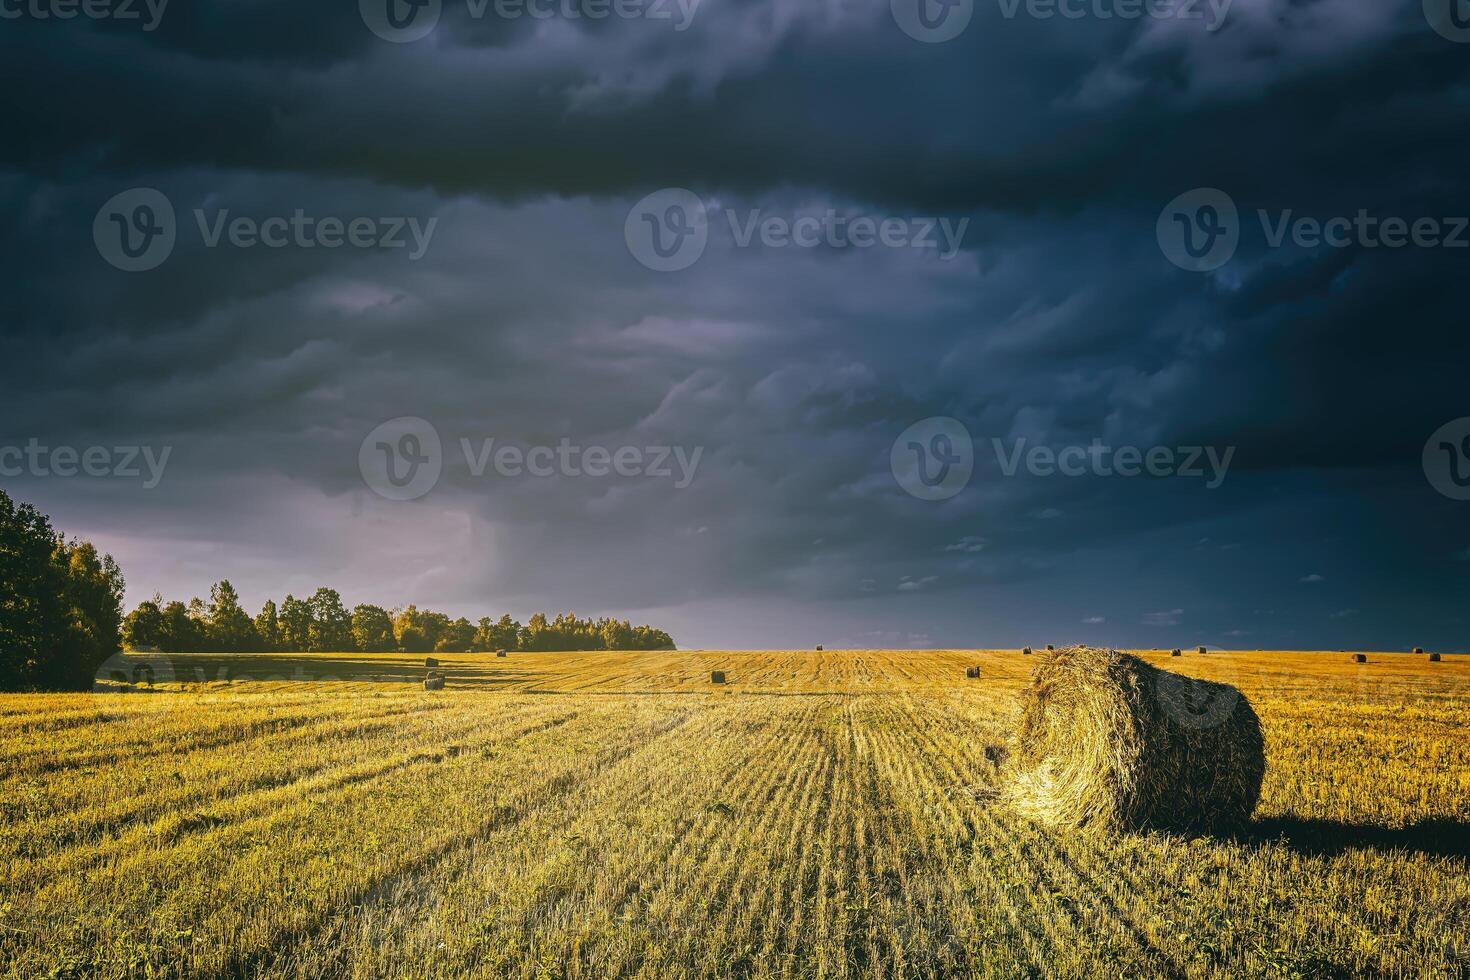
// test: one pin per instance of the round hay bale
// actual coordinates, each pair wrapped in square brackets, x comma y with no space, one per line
[1203,651]
[1360,658]
[1026,651]
[717,677]
[972,672]
[1050,648]
[1418,649]
[1434,658]
[433,683]
[430,663]
[1109,741]
[500,653]
[1177,653]
[819,648]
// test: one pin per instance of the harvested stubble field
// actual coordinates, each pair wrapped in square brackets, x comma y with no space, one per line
[614,814]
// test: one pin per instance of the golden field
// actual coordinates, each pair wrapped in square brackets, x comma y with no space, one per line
[614,814]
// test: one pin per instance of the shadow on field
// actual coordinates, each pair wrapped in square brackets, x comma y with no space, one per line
[1328,838]
[467,671]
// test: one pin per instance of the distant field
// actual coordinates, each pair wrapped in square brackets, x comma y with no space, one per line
[614,814]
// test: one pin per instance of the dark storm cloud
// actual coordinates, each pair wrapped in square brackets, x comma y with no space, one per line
[791,370]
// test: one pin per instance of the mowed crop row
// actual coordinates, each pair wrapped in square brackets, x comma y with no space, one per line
[365,829]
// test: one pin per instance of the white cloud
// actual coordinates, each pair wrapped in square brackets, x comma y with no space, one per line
[1168,618]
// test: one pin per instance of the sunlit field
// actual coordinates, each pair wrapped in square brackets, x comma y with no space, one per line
[826,814]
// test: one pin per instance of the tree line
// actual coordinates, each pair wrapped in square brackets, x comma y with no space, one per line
[61,617]
[320,623]
[60,604]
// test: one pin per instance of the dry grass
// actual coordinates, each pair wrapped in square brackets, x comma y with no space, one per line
[594,815]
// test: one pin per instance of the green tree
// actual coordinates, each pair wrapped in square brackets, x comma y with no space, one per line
[92,595]
[616,634]
[177,631]
[372,630]
[506,634]
[457,637]
[406,631]
[331,624]
[143,627]
[434,625]
[32,612]
[199,623]
[295,625]
[419,630]
[484,638]
[268,627]
[60,604]
[537,633]
[229,629]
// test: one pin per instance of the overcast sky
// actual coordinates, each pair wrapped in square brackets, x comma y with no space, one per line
[867,220]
